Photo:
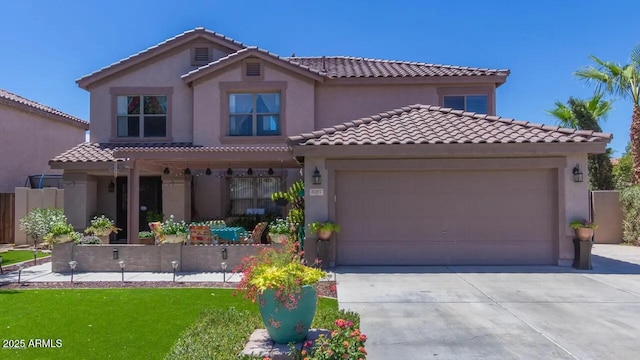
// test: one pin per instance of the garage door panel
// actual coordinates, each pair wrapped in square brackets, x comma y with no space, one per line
[446,217]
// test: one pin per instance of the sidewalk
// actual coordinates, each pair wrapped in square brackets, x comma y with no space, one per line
[42,273]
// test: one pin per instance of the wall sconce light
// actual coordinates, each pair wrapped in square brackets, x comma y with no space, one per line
[187,171]
[115,254]
[577,174]
[270,172]
[317,178]
[166,171]
[208,172]
[112,187]
[225,255]
[229,172]
[250,171]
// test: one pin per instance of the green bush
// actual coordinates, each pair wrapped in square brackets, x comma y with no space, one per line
[630,200]
[38,222]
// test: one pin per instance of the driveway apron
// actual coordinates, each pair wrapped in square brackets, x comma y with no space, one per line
[506,312]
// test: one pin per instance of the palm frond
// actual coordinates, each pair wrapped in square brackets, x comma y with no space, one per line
[598,107]
[564,115]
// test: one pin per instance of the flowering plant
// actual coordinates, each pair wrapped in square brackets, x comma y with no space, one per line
[279,269]
[578,224]
[281,226]
[173,227]
[38,222]
[101,226]
[346,342]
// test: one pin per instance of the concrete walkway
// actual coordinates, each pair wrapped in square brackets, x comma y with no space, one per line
[511,312]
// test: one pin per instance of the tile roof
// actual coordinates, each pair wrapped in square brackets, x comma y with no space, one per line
[104,152]
[161,47]
[354,67]
[16,100]
[241,54]
[424,124]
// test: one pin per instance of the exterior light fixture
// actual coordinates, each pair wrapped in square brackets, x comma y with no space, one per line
[577,174]
[270,172]
[229,172]
[20,267]
[223,265]
[112,187]
[317,178]
[250,171]
[187,171]
[174,264]
[166,171]
[208,172]
[72,266]
[225,255]
[121,263]
[115,253]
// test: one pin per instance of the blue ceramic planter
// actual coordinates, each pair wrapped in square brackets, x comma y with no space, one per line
[288,325]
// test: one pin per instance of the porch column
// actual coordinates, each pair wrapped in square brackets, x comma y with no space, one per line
[133,202]
[317,206]
[176,197]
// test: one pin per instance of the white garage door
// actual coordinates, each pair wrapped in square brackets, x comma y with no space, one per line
[498,217]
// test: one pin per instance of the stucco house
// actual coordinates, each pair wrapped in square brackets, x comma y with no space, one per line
[30,135]
[414,164]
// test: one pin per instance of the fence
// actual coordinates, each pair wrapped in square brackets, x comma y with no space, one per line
[7,217]
[607,213]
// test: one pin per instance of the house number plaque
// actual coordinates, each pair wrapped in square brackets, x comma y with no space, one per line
[316,192]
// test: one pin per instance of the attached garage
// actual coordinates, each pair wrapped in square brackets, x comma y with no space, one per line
[446,217]
[425,185]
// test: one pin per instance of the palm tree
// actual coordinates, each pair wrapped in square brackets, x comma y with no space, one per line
[621,81]
[585,115]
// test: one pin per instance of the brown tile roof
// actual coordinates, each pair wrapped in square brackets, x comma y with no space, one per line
[244,53]
[424,124]
[12,99]
[161,47]
[354,67]
[104,152]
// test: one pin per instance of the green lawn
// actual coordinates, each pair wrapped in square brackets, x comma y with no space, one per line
[109,323]
[15,256]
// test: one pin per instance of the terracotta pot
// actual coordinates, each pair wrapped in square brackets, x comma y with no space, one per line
[324,234]
[584,234]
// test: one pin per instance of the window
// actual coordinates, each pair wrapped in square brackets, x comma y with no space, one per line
[253,192]
[254,114]
[471,103]
[142,116]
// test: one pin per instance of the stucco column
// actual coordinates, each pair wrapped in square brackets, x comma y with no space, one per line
[316,207]
[576,205]
[80,197]
[176,197]
[133,201]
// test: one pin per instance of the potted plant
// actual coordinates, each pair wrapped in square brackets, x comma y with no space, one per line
[174,231]
[285,290]
[146,238]
[280,198]
[60,233]
[324,229]
[280,230]
[583,229]
[101,226]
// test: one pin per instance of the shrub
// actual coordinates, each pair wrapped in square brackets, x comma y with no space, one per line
[173,227]
[38,222]
[346,340]
[89,240]
[51,237]
[630,200]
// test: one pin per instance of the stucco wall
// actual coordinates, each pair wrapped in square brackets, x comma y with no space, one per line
[576,204]
[28,141]
[28,199]
[607,214]
[165,72]
[298,100]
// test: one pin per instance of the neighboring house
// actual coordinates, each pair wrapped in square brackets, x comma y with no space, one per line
[30,135]
[409,184]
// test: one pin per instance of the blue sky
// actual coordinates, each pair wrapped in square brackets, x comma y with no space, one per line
[46,45]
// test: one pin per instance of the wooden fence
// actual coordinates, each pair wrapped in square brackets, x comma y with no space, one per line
[7,217]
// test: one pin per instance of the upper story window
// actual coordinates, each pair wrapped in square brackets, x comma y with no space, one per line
[142,116]
[254,114]
[471,103]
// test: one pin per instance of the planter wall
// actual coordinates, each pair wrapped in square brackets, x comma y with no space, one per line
[200,258]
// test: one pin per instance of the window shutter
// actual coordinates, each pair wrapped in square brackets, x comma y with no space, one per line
[201,55]
[253,69]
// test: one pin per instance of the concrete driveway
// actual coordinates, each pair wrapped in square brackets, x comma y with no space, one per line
[482,312]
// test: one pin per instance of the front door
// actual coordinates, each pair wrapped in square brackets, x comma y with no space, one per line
[150,202]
